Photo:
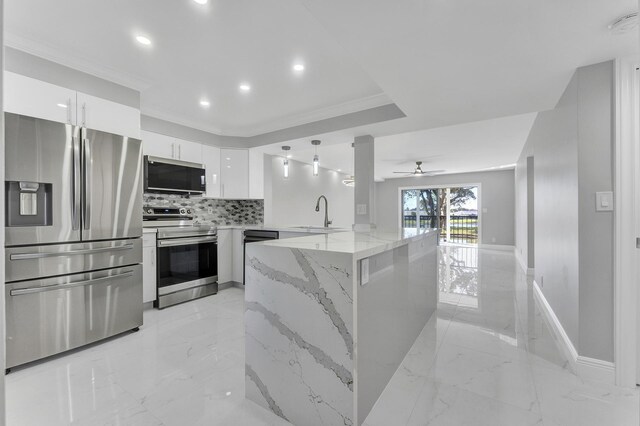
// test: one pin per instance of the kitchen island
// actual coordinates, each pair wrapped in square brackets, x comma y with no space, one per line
[329,318]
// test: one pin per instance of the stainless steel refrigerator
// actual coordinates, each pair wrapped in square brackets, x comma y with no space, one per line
[72,235]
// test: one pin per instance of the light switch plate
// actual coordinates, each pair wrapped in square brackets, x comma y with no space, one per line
[361,209]
[364,271]
[604,201]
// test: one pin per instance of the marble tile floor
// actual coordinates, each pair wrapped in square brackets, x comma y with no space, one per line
[486,358]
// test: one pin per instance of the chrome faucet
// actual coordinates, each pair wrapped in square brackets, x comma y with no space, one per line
[327,222]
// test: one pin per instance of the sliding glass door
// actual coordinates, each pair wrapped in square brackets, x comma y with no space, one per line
[452,210]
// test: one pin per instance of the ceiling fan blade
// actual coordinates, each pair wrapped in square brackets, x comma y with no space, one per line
[405,173]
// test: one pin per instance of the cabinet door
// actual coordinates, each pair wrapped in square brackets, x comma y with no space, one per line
[256,174]
[211,161]
[157,145]
[107,116]
[225,255]
[234,171]
[238,255]
[35,98]
[189,151]
[148,274]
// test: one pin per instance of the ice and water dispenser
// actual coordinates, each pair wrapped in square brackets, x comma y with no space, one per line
[28,203]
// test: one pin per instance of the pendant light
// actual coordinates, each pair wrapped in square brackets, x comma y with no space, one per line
[285,164]
[316,160]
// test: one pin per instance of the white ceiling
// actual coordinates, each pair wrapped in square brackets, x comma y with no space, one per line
[443,62]
[202,51]
[462,148]
[446,62]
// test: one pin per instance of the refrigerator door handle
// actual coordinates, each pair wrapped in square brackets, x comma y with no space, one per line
[75,184]
[29,256]
[86,171]
[31,290]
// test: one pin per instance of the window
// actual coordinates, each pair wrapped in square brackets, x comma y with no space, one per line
[452,210]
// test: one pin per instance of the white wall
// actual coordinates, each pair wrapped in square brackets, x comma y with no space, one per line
[2,326]
[292,201]
[572,148]
[496,196]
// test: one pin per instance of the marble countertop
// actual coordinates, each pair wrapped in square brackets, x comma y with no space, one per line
[281,228]
[292,229]
[359,244]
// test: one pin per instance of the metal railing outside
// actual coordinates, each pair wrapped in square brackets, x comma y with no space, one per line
[462,229]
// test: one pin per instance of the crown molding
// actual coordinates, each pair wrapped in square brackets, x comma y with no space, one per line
[333,111]
[55,54]
[162,115]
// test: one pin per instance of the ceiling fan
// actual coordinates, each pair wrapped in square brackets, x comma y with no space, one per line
[419,172]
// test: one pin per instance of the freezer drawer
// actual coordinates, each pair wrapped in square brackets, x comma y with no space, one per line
[31,262]
[49,316]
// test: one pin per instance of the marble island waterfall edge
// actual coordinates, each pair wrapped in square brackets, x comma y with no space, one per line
[300,344]
[299,334]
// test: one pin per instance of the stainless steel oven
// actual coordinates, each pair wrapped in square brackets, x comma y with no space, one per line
[187,264]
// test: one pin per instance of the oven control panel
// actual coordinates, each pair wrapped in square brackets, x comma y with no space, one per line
[159,213]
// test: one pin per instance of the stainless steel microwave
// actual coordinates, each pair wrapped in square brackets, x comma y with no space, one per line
[173,176]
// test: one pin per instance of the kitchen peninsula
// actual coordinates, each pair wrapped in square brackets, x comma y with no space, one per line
[329,318]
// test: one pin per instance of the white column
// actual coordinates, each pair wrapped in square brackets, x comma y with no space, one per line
[448,201]
[364,191]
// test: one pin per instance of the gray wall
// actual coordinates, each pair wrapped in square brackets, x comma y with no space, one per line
[292,201]
[572,148]
[497,196]
[32,66]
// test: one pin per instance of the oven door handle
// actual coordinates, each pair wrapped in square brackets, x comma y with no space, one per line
[186,241]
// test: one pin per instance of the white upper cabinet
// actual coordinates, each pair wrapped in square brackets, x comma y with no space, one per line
[107,116]
[35,98]
[211,161]
[256,174]
[234,173]
[188,151]
[163,146]
[157,145]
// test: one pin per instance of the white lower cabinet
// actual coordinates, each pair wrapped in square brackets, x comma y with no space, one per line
[148,267]
[225,255]
[238,255]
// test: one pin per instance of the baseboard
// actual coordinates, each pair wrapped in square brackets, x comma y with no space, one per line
[529,271]
[585,367]
[596,369]
[230,284]
[500,247]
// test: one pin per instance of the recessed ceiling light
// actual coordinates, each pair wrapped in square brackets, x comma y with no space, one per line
[245,87]
[289,156]
[201,1]
[205,103]
[62,105]
[228,158]
[143,40]
[298,67]
[339,170]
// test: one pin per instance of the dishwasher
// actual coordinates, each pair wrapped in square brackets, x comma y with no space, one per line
[252,236]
